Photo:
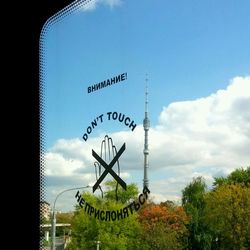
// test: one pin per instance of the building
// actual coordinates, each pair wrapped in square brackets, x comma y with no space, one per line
[45,210]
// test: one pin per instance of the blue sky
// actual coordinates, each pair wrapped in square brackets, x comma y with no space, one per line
[192,51]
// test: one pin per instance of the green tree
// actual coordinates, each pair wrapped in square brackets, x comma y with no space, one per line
[227,213]
[193,203]
[118,234]
[65,218]
[124,196]
[239,175]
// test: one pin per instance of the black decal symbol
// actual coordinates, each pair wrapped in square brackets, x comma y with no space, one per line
[108,150]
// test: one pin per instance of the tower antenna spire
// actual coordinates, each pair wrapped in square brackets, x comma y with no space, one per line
[146,125]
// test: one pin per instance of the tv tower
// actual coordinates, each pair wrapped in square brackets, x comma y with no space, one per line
[146,125]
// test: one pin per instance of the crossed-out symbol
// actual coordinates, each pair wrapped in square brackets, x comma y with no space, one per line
[108,168]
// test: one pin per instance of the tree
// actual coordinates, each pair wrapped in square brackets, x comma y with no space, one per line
[118,234]
[239,175]
[124,196]
[164,226]
[227,214]
[65,218]
[193,203]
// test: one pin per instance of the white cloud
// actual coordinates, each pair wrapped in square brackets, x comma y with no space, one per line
[90,5]
[214,129]
[112,3]
[207,137]
[93,4]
